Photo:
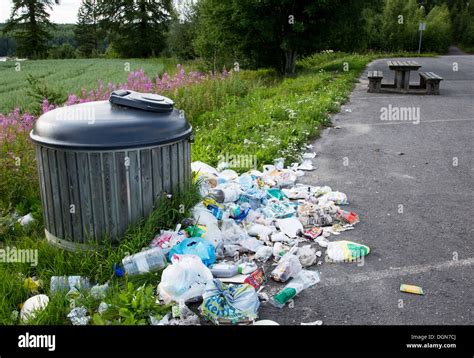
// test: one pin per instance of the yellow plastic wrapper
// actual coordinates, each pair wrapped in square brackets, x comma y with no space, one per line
[411,289]
[32,284]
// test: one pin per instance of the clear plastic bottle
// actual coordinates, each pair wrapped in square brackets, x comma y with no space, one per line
[224,270]
[151,260]
[302,281]
[230,269]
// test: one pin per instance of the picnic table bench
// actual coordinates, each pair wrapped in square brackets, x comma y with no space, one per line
[430,81]
[402,72]
[375,81]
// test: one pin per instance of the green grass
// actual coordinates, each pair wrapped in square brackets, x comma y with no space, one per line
[95,264]
[70,76]
[278,120]
[252,112]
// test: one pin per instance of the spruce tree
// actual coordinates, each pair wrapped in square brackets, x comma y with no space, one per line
[88,34]
[137,28]
[29,23]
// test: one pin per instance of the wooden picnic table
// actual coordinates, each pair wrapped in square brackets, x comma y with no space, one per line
[402,72]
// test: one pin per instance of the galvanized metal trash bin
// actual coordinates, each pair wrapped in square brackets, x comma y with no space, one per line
[102,164]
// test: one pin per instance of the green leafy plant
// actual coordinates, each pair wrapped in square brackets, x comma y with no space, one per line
[132,307]
[39,89]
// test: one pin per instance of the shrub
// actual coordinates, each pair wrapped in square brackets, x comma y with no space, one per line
[437,36]
[61,52]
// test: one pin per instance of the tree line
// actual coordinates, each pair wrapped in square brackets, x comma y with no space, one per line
[253,33]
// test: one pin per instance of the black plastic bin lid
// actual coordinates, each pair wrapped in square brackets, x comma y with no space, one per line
[128,120]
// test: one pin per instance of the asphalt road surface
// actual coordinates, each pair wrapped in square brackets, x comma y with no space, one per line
[413,188]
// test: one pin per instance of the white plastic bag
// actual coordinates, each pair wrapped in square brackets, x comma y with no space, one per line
[307,256]
[290,226]
[251,244]
[185,279]
[335,196]
[264,253]
[263,232]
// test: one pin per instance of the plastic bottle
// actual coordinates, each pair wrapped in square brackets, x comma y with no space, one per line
[65,283]
[224,270]
[229,269]
[143,262]
[225,195]
[302,281]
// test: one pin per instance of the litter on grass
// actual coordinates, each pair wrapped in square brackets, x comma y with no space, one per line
[242,226]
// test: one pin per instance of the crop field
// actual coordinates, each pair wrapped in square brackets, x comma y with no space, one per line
[70,76]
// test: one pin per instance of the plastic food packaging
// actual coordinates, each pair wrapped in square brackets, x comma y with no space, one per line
[288,266]
[297,193]
[26,220]
[203,216]
[196,246]
[302,281]
[322,241]
[279,250]
[196,230]
[33,305]
[216,211]
[229,303]
[279,163]
[99,291]
[228,194]
[348,216]
[79,317]
[228,174]
[278,209]
[313,233]
[264,253]
[246,182]
[276,193]
[203,168]
[256,278]
[335,196]
[151,260]
[280,237]
[224,270]
[265,322]
[291,226]
[417,290]
[307,256]
[251,244]
[65,283]
[33,284]
[253,197]
[247,267]
[185,279]
[238,213]
[263,232]
[167,239]
[346,251]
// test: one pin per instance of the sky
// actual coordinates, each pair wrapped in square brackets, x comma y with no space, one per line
[65,13]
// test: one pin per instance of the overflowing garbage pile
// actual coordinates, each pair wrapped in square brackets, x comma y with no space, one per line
[248,230]
[245,224]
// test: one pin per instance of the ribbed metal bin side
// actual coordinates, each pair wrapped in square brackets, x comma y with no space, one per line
[98,194]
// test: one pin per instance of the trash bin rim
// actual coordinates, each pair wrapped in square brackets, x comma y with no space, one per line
[108,148]
[150,128]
